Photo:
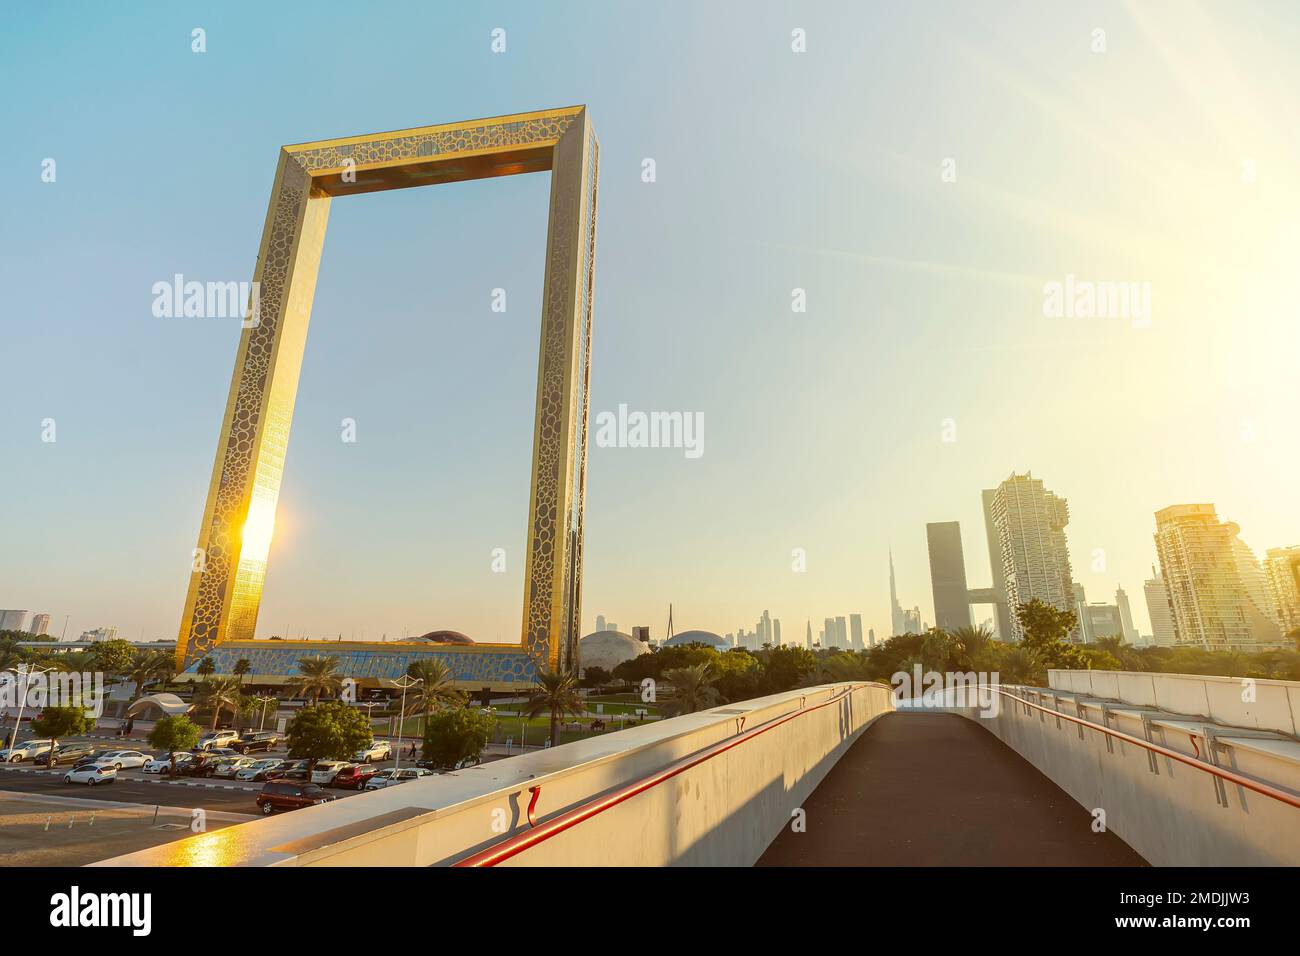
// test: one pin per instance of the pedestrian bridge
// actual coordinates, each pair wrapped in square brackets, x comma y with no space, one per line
[840,775]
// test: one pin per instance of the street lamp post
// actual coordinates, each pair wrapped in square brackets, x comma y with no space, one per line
[405,681]
[27,671]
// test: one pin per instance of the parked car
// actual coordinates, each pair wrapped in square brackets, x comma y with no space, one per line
[226,769]
[28,750]
[354,776]
[325,771]
[290,795]
[123,759]
[379,750]
[258,769]
[217,738]
[65,754]
[391,778]
[290,770]
[255,740]
[92,775]
[162,763]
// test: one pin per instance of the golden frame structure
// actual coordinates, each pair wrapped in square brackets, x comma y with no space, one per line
[225,588]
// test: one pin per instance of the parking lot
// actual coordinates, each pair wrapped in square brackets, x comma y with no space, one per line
[137,787]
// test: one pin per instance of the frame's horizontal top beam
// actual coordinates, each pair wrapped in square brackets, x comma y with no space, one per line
[430,171]
[425,155]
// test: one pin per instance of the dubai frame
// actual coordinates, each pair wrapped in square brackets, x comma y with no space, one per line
[225,587]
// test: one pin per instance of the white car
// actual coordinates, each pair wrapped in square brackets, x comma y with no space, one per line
[391,778]
[91,774]
[163,763]
[379,750]
[26,751]
[325,771]
[122,759]
[258,768]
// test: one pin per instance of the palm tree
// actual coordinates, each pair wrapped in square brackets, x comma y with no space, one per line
[316,676]
[207,667]
[220,694]
[1127,655]
[146,667]
[971,645]
[240,670]
[692,689]
[10,655]
[438,687]
[557,694]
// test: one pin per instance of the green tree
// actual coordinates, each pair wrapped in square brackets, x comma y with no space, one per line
[174,734]
[220,694]
[457,734]
[692,689]
[56,722]
[316,676]
[737,674]
[328,731]
[436,690]
[555,694]
[112,657]
[1046,628]
[785,667]
[145,668]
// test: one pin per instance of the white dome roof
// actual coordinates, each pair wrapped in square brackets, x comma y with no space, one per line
[608,649]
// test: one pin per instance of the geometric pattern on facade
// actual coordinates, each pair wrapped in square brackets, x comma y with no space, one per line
[225,588]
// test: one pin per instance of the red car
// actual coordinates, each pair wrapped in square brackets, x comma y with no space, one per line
[355,777]
[290,795]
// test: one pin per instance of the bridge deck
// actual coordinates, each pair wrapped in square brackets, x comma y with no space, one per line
[937,790]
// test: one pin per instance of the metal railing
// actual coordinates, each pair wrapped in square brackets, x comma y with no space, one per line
[1283,796]
[539,833]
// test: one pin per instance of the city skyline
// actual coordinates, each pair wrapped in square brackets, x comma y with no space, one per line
[905,271]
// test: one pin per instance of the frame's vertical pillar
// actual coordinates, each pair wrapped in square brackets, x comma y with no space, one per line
[230,565]
[553,577]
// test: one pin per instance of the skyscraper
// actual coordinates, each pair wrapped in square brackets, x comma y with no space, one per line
[841,634]
[999,585]
[13,620]
[809,640]
[948,575]
[1158,609]
[871,637]
[829,636]
[1126,615]
[600,622]
[40,625]
[776,632]
[1034,554]
[1213,591]
[898,618]
[1282,569]
[855,631]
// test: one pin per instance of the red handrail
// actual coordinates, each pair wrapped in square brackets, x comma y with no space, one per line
[500,852]
[1262,788]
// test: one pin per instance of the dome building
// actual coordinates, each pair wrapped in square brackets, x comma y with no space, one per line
[697,637]
[445,637]
[608,649]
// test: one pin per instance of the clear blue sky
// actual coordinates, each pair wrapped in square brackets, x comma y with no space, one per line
[775,170]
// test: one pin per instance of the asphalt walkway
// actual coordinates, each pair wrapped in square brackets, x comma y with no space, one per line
[938,790]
